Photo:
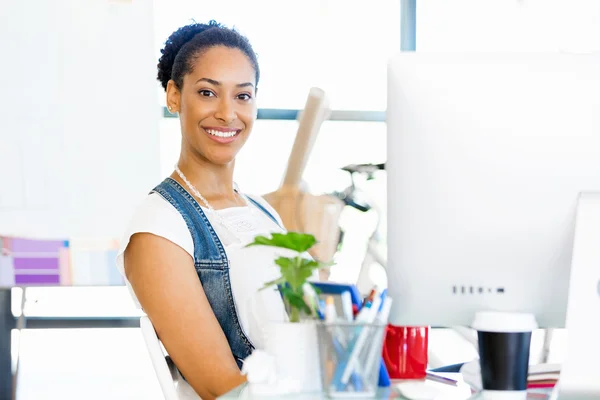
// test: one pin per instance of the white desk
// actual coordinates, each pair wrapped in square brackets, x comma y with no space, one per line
[447,393]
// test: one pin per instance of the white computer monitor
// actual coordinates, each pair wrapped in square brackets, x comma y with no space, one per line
[487,157]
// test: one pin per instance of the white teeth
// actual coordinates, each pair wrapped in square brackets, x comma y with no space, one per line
[221,134]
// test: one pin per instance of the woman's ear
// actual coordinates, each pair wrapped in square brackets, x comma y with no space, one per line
[173,97]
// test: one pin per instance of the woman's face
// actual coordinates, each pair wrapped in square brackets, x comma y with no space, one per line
[216,105]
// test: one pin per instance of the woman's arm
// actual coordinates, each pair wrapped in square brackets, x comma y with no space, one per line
[166,284]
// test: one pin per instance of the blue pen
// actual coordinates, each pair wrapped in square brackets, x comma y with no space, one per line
[330,316]
[374,355]
[384,377]
[368,317]
[320,308]
[383,296]
[356,380]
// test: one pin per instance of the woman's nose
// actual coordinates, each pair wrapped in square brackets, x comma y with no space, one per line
[226,111]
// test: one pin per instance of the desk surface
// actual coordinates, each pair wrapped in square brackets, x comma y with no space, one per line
[462,392]
[243,392]
[383,394]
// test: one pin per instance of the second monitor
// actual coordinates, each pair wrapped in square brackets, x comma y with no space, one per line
[487,158]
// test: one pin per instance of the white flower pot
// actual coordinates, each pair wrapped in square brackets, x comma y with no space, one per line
[295,348]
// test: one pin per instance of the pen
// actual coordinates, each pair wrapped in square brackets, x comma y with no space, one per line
[320,309]
[441,379]
[339,341]
[368,316]
[382,318]
[367,313]
[330,313]
[370,297]
[347,306]
[383,296]
[339,349]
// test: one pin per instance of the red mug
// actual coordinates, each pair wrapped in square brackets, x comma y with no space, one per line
[405,351]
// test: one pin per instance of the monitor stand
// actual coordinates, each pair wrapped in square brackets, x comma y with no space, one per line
[580,372]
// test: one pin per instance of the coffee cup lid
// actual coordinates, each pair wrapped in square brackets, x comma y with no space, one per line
[499,321]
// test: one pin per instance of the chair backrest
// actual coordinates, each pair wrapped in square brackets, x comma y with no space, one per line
[161,368]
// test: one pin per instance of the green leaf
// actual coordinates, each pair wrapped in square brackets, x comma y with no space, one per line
[278,281]
[293,270]
[316,264]
[296,271]
[296,300]
[303,273]
[307,263]
[299,242]
[284,262]
[290,271]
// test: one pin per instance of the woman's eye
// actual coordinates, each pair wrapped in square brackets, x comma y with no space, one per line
[206,93]
[244,96]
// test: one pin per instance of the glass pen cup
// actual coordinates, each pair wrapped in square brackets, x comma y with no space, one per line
[350,358]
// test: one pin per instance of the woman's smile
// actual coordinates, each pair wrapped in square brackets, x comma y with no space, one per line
[222,135]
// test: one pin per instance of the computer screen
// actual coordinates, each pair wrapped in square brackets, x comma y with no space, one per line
[487,157]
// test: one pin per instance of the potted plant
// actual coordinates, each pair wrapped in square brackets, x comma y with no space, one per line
[295,271]
[294,344]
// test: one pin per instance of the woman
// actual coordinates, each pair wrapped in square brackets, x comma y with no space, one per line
[184,253]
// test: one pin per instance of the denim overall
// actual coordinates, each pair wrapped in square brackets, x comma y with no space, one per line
[211,264]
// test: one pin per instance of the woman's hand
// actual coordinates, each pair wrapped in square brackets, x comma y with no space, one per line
[166,284]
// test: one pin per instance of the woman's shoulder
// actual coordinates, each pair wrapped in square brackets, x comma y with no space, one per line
[154,212]
[157,216]
[155,206]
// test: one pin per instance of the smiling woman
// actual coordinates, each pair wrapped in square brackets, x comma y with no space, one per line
[215,100]
[184,254]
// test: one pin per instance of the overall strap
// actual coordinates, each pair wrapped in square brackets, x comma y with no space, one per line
[208,249]
[212,266]
[263,209]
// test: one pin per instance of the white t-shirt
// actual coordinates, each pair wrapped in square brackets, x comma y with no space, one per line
[250,268]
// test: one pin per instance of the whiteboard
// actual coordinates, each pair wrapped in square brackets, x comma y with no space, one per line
[79,116]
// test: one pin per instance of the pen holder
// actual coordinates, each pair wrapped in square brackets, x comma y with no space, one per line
[350,357]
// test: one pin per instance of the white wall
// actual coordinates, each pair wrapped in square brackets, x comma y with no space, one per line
[79,134]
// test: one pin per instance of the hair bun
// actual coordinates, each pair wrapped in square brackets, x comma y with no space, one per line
[172,46]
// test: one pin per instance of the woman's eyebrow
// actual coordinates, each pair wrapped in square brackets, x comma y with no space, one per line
[217,83]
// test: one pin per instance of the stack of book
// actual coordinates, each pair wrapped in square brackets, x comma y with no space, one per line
[543,375]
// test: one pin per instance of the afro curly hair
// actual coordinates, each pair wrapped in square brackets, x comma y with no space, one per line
[186,45]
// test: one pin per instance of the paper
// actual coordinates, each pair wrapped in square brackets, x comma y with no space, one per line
[36,262]
[32,262]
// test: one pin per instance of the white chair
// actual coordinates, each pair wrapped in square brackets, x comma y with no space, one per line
[173,386]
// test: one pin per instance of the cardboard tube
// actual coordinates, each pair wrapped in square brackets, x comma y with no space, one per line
[315,112]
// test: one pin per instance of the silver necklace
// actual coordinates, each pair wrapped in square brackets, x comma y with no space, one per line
[210,208]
